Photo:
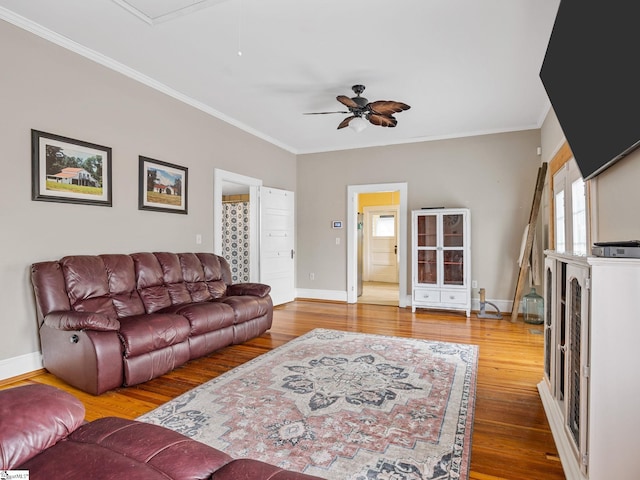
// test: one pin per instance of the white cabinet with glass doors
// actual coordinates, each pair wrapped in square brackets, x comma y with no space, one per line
[441,260]
[590,389]
[566,358]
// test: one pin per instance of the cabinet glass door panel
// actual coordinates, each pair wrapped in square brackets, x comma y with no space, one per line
[453,230]
[427,231]
[548,292]
[427,267]
[575,329]
[453,272]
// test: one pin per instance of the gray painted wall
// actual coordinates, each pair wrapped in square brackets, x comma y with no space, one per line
[493,175]
[618,200]
[48,88]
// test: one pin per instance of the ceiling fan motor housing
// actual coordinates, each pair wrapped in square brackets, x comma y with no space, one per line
[360,101]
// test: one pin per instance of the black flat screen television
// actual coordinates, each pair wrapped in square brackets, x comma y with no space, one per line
[591,74]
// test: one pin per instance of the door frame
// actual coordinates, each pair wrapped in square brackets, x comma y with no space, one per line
[352,236]
[254,184]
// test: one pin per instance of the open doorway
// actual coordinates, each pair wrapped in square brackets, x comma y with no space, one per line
[261,228]
[376,253]
[236,230]
[378,250]
[229,185]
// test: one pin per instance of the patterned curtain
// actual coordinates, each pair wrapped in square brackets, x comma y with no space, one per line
[235,239]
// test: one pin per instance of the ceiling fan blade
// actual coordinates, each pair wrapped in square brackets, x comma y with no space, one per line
[346,101]
[382,120]
[387,107]
[321,113]
[345,122]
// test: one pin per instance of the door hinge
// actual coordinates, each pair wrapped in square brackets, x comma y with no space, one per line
[586,371]
[585,459]
[587,283]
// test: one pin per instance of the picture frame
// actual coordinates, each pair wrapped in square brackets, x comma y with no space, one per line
[67,170]
[162,186]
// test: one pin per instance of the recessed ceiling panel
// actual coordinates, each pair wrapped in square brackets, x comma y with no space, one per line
[156,11]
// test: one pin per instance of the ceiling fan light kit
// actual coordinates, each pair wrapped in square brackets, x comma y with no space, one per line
[358,124]
[378,113]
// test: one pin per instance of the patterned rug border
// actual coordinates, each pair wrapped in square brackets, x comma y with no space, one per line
[464,429]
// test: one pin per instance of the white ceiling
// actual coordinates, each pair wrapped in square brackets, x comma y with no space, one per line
[466,67]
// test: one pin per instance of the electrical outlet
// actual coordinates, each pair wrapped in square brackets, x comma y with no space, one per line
[474,284]
[312,276]
[198,239]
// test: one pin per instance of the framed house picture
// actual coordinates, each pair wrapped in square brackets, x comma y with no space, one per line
[163,187]
[69,171]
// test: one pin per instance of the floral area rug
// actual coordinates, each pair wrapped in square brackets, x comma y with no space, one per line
[341,405]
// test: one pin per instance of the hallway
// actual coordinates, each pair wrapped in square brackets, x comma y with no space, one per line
[379,293]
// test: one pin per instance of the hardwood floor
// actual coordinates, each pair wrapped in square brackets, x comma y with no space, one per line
[380,293]
[511,436]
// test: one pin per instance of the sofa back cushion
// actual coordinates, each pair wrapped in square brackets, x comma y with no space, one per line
[173,279]
[194,277]
[214,269]
[34,418]
[150,282]
[87,284]
[121,275]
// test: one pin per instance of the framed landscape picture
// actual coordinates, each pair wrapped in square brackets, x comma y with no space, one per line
[69,171]
[163,187]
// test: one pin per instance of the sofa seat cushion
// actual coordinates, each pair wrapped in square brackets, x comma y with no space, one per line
[247,307]
[153,331]
[207,317]
[247,469]
[35,417]
[113,447]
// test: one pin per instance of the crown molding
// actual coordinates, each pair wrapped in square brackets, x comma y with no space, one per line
[116,66]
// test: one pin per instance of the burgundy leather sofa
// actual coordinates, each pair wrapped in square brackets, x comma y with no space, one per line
[115,320]
[43,431]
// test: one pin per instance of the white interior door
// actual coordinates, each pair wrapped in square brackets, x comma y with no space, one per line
[277,227]
[381,244]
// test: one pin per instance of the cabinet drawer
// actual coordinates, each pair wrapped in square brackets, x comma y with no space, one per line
[454,297]
[424,295]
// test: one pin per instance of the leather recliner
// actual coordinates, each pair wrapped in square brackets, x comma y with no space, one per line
[115,320]
[43,432]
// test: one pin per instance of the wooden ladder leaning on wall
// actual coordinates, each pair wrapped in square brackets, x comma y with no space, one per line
[528,245]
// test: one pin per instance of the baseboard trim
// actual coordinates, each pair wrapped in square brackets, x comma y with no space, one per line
[341,296]
[312,294]
[20,365]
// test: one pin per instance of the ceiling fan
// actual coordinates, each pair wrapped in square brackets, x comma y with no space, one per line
[378,113]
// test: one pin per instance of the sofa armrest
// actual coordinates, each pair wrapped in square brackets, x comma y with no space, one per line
[71,320]
[254,289]
[34,418]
